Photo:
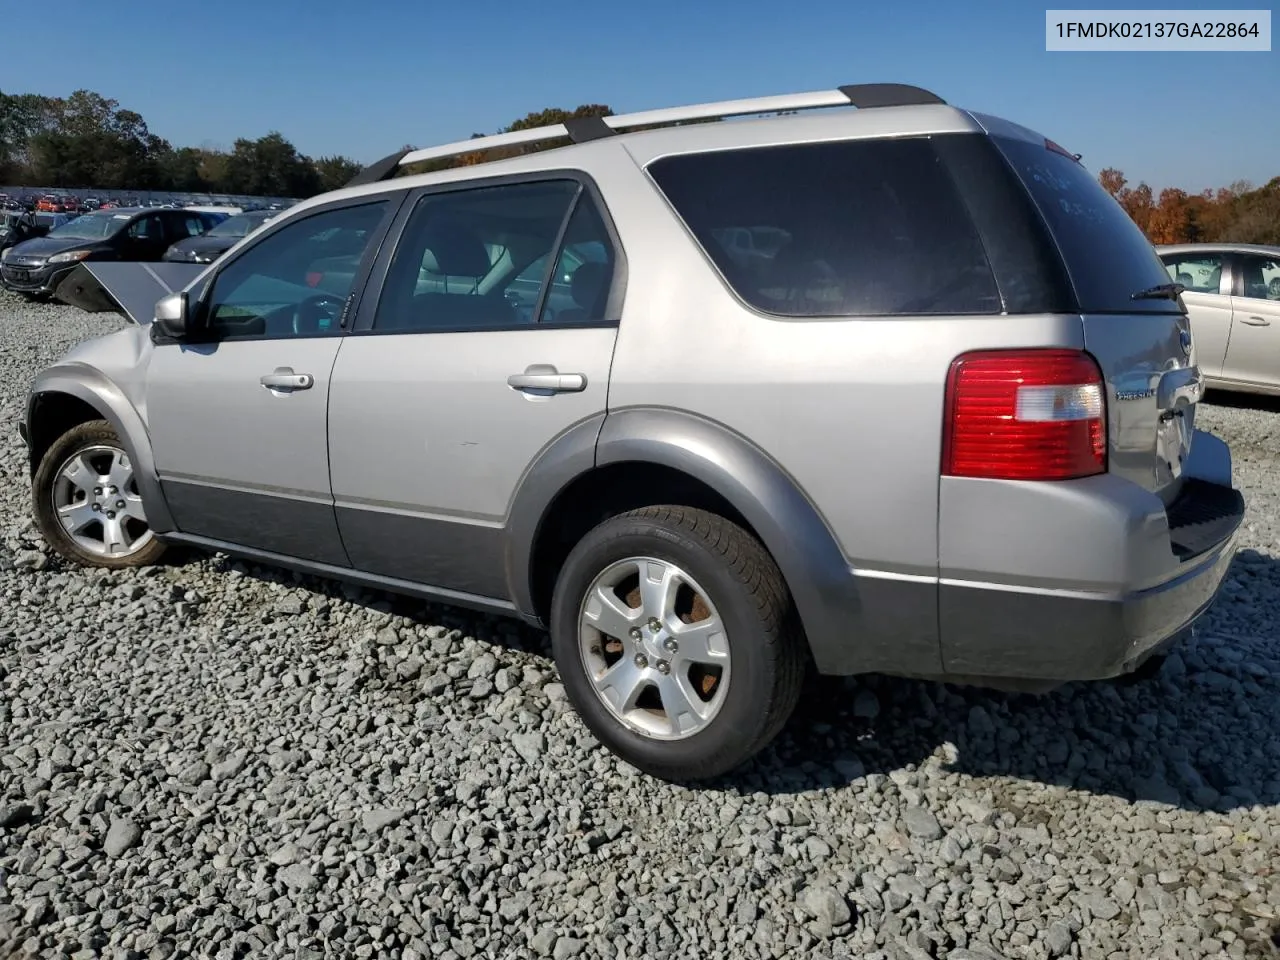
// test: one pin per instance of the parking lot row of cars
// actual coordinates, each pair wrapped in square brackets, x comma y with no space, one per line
[36,258]
[57,202]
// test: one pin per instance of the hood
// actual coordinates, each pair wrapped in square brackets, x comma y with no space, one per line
[43,247]
[212,247]
[131,289]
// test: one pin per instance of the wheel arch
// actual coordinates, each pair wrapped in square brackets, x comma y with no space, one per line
[645,456]
[67,395]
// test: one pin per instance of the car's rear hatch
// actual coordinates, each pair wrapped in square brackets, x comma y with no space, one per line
[1135,325]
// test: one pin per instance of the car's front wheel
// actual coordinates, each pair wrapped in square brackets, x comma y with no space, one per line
[87,503]
[673,633]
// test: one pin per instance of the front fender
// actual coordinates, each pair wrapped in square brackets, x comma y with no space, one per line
[90,386]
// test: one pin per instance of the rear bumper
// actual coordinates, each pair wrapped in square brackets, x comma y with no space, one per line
[993,631]
[1097,575]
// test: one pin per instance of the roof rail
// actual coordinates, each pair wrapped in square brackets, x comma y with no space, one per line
[582,129]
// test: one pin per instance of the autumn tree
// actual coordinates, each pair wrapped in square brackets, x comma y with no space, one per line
[1139,203]
[1171,219]
[1112,180]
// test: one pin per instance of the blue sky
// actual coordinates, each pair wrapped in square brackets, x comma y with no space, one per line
[363,79]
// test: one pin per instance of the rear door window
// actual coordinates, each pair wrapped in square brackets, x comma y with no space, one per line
[1259,277]
[458,263]
[1107,256]
[847,228]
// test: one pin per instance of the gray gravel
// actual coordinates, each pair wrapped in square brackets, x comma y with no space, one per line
[218,760]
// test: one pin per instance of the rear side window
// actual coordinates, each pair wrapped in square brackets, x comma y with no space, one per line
[1106,255]
[459,260]
[848,228]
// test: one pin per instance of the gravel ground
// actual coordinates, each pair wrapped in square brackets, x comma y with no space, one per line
[215,759]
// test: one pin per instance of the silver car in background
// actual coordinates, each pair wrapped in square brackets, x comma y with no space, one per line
[1232,293]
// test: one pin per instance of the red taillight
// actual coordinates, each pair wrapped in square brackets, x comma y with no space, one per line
[1024,415]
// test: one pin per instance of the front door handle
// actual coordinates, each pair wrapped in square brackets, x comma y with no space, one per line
[283,378]
[546,377]
[1256,321]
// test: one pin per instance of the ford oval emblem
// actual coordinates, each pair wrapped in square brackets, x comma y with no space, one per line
[1184,338]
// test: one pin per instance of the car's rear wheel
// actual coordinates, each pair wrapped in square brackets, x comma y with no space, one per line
[87,503]
[674,636]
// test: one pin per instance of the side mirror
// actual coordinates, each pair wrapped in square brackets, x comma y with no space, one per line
[173,316]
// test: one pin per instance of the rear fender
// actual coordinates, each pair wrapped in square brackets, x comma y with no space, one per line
[853,624]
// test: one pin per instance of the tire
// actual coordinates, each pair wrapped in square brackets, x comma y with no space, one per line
[743,699]
[100,448]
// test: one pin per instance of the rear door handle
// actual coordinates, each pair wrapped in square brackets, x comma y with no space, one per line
[1256,321]
[545,377]
[283,378]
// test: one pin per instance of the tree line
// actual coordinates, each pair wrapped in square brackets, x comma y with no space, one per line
[86,140]
[1239,213]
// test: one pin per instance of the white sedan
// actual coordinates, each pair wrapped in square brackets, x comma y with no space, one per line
[1232,293]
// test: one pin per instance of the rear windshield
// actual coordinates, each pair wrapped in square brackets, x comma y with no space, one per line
[1107,256]
[845,228]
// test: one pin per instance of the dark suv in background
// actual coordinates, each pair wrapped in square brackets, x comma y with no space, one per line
[208,247]
[35,268]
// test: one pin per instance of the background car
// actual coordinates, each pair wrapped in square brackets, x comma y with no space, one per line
[1232,293]
[35,268]
[209,246]
[43,223]
[15,227]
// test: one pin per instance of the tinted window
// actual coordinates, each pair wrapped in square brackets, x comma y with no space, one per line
[1260,277]
[1199,273]
[182,226]
[852,228]
[460,259]
[579,286]
[1108,257]
[146,228]
[296,281]
[237,226]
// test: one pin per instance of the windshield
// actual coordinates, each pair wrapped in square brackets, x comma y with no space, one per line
[91,226]
[235,227]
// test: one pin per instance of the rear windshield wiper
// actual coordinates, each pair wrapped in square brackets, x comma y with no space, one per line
[1163,291]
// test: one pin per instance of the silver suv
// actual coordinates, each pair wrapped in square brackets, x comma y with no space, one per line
[936,421]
